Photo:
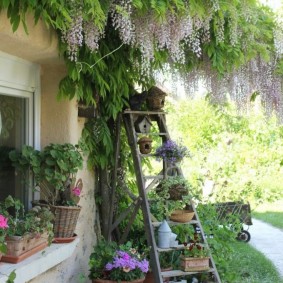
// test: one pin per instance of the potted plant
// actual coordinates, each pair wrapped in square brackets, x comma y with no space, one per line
[195,256]
[26,232]
[110,262]
[54,170]
[171,152]
[166,260]
[170,199]
[160,207]
[173,188]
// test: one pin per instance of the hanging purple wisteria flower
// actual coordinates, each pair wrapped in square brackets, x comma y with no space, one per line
[171,151]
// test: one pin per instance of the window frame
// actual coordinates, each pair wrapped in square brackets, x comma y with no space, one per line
[21,78]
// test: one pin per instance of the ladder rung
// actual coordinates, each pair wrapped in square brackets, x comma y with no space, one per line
[143,112]
[173,273]
[179,247]
[157,224]
[148,155]
[152,134]
[154,177]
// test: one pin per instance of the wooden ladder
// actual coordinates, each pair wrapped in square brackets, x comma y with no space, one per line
[130,118]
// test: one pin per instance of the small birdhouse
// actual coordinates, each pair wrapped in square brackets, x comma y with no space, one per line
[143,125]
[145,145]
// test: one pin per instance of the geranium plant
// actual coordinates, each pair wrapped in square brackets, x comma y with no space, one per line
[195,248]
[3,232]
[171,151]
[110,261]
[19,223]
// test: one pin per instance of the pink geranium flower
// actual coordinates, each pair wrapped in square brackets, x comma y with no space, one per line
[3,222]
[76,191]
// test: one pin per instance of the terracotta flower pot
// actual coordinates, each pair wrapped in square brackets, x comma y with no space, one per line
[194,263]
[110,281]
[19,248]
[149,278]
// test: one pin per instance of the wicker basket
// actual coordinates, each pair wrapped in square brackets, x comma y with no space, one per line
[65,221]
[182,216]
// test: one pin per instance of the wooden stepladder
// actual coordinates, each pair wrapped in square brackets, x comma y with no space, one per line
[130,119]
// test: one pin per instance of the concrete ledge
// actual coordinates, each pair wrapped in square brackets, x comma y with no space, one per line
[38,263]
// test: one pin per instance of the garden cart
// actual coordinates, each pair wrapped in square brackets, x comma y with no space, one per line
[238,211]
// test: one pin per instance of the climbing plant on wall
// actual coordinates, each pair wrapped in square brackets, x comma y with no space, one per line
[111,46]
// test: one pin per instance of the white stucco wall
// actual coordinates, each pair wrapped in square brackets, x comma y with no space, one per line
[59,123]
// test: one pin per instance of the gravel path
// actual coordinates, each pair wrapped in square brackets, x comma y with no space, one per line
[268,240]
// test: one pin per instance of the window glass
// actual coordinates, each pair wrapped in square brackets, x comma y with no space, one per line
[15,131]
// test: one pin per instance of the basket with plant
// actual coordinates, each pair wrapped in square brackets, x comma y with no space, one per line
[54,170]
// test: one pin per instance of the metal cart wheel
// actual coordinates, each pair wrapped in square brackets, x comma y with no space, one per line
[244,236]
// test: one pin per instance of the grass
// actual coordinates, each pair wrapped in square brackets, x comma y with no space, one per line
[271,213]
[248,265]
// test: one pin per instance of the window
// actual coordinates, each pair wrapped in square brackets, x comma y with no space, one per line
[18,96]
[15,130]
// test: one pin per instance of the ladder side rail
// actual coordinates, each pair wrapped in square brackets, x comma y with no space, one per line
[162,126]
[129,125]
[215,272]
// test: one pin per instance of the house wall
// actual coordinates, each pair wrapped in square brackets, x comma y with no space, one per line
[59,123]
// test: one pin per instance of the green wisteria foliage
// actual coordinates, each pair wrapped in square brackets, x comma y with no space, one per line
[112,46]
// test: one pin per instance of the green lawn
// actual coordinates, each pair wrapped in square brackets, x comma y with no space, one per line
[247,265]
[271,213]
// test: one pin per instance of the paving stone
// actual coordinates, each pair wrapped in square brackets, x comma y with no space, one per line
[268,240]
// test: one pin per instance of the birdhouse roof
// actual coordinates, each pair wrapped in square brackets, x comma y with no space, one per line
[141,119]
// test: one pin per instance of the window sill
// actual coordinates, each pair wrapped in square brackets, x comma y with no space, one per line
[38,263]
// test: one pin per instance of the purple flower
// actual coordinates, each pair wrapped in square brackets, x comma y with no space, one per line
[171,151]
[126,265]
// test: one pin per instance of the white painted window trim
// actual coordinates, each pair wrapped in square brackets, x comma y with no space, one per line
[38,263]
[22,78]
[20,75]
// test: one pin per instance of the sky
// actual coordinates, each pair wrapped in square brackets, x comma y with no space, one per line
[274,4]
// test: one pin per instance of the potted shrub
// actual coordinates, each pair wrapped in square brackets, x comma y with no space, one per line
[26,232]
[195,256]
[171,152]
[110,262]
[54,170]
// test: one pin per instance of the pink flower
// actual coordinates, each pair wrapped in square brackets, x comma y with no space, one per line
[76,191]
[3,222]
